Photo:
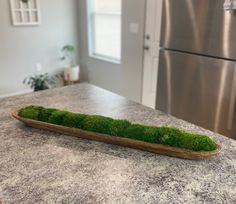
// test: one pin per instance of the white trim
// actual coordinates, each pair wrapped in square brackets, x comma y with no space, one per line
[105,58]
[107,13]
[89,27]
[16,93]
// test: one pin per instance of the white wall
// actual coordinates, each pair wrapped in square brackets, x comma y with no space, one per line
[124,79]
[22,47]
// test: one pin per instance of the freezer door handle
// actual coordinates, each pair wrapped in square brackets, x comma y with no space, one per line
[232,103]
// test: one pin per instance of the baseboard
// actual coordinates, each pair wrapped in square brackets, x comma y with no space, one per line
[15,94]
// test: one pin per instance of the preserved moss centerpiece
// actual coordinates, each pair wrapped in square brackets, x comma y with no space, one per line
[168,136]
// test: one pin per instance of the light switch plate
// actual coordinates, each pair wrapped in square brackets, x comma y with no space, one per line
[38,67]
[133,27]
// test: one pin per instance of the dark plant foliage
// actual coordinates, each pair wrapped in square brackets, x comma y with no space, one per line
[40,82]
[121,128]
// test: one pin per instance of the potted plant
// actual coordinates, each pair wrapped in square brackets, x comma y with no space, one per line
[71,71]
[40,82]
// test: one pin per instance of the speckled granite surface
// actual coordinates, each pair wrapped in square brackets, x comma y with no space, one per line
[37,166]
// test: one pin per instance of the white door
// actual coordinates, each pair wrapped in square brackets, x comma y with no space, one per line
[151,52]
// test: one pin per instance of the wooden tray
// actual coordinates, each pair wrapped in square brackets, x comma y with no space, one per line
[156,148]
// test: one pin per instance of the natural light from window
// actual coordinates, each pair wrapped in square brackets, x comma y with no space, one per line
[104,21]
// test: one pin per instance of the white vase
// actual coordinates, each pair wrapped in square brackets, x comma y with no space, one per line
[66,73]
[71,73]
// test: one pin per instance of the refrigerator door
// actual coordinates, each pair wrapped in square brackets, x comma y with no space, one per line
[198,89]
[199,26]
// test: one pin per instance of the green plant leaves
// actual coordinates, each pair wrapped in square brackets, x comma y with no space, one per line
[68,52]
[40,81]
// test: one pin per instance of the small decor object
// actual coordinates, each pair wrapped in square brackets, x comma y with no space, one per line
[40,82]
[25,12]
[71,71]
[163,140]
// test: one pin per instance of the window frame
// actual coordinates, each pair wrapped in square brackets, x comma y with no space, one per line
[91,36]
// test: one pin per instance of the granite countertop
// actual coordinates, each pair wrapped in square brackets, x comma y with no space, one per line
[38,166]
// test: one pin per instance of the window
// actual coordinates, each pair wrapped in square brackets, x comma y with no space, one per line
[104,29]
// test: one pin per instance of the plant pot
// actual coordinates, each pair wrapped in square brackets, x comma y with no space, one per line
[41,87]
[71,73]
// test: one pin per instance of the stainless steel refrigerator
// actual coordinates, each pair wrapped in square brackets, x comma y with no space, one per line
[197,69]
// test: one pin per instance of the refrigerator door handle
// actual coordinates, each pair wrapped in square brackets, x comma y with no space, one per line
[232,103]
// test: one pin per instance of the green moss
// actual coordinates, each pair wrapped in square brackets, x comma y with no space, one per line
[141,132]
[73,120]
[201,143]
[57,117]
[134,131]
[177,138]
[122,128]
[151,135]
[97,123]
[37,113]
[117,127]
[169,136]
[31,112]
[45,114]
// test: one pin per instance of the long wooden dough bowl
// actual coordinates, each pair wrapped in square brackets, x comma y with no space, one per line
[156,148]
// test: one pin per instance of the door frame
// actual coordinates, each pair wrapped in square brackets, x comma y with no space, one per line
[153,13]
